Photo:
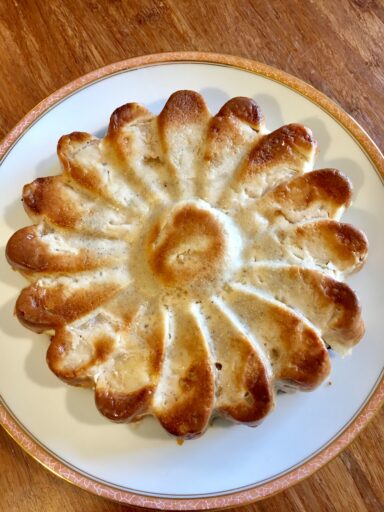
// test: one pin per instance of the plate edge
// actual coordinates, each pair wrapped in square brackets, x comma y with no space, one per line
[372,406]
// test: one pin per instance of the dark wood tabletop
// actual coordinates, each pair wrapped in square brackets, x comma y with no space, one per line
[338,47]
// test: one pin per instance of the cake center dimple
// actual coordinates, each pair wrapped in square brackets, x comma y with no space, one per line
[189,245]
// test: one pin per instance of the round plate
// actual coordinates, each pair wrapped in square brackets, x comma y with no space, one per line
[231,464]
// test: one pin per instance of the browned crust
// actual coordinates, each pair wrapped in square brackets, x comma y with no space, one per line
[223,130]
[245,109]
[41,308]
[65,143]
[346,246]
[154,335]
[125,115]
[186,409]
[297,354]
[26,251]
[331,184]
[117,142]
[182,107]
[187,223]
[346,325]
[156,346]
[315,294]
[189,416]
[123,407]
[288,145]
[86,176]
[326,186]
[53,200]
[302,360]
[45,197]
[257,396]
[59,348]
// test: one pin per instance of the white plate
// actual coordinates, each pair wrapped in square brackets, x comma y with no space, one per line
[229,465]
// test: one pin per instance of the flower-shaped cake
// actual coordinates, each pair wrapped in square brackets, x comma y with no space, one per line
[189,265]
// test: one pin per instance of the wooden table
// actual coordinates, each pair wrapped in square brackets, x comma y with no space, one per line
[335,46]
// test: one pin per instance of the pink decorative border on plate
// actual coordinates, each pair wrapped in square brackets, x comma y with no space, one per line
[243,497]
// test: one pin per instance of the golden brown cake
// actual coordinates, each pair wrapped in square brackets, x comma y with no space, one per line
[189,265]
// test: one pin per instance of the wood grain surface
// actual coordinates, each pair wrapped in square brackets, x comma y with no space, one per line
[335,46]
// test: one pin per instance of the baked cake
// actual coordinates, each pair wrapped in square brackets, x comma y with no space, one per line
[189,265]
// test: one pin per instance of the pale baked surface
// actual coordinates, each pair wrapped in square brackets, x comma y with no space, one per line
[188,265]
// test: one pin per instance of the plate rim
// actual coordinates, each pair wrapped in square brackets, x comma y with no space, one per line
[330,451]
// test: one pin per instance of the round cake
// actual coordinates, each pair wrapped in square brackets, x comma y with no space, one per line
[188,265]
